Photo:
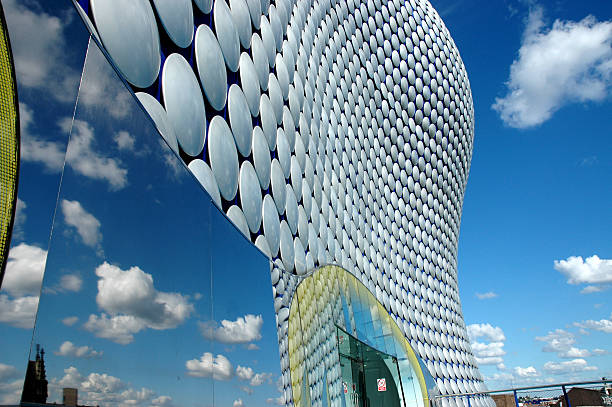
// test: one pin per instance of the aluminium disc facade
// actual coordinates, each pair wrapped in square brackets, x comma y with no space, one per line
[329,132]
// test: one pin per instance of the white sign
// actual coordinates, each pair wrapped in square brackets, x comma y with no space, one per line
[382,384]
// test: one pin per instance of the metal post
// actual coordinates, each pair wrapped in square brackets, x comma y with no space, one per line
[516,399]
[566,397]
[469,404]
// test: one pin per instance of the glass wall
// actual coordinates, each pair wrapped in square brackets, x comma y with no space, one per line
[150,296]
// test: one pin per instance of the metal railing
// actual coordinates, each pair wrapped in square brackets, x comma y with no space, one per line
[575,394]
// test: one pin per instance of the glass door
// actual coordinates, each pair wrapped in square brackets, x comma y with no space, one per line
[370,378]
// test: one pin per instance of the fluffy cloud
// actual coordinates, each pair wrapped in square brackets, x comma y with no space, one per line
[490,353]
[162,401]
[569,366]
[132,301]
[561,342]
[22,281]
[571,62]
[106,390]
[526,371]
[87,162]
[589,289]
[69,321]
[243,330]
[260,378]
[7,372]
[67,283]
[493,334]
[10,391]
[486,296]
[603,325]
[18,312]
[39,48]
[19,222]
[593,270]
[238,403]
[219,368]
[87,226]
[24,270]
[255,379]
[68,349]
[50,154]
[244,373]
[124,140]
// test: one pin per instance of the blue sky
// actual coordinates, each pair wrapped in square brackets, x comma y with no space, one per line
[539,189]
[538,193]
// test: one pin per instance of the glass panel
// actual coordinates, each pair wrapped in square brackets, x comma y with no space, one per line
[48,42]
[128,278]
[244,325]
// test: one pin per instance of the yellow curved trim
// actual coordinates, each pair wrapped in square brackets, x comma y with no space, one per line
[316,304]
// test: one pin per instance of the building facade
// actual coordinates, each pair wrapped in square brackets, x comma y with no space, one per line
[330,133]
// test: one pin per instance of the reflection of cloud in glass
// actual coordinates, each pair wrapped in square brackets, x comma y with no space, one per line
[87,226]
[22,280]
[67,283]
[124,140]
[243,330]
[134,304]
[24,270]
[69,321]
[106,390]
[39,49]
[85,161]
[11,384]
[219,368]
[69,349]
[34,149]
[238,403]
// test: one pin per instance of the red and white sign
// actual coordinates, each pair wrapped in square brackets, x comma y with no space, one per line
[382,384]
[345,387]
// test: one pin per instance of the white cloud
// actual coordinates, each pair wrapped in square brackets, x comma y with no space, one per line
[593,270]
[493,334]
[85,161]
[260,378]
[118,328]
[19,312]
[49,153]
[20,219]
[69,349]
[69,321]
[22,282]
[124,140]
[238,403]
[279,401]
[106,390]
[252,346]
[244,330]
[71,282]
[561,342]
[526,372]
[219,368]
[162,401]
[24,270]
[603,325]
[40,50]
[487,350]
[247,390]
[7,372]
[132,301]
[589,289]
[10,391]
[244,373]
[87,226]
[571,62]
[569,366]
[600,352]
[486,296]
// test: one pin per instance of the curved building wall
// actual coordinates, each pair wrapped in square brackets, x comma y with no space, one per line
[329,132]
